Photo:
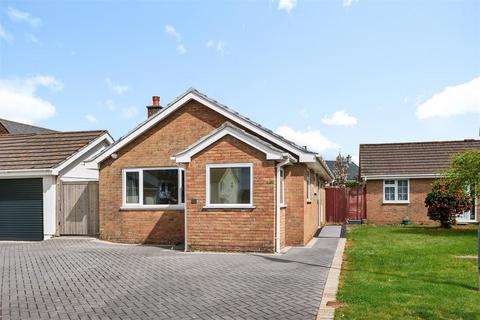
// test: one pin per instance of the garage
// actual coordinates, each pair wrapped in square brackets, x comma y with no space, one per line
[21,209]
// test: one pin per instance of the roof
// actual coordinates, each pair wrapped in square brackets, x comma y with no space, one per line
[303,154]
[411,158]
[194,92]
[42,151]
[21,128]
[272,153]
[352,171]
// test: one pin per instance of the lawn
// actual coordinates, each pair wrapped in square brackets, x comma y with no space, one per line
[409,272]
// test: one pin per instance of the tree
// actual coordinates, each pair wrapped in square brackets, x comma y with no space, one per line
[446,202]
[340,169]
[465,174]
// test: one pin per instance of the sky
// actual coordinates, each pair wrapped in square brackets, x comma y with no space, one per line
[330,74]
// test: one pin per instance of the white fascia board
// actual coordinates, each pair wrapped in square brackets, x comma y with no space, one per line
[402,176]
[25,173]
[88,147]
[186,156]
[303,156]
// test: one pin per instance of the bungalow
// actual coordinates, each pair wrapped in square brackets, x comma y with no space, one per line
[398,176]
[197,172]
[44,183]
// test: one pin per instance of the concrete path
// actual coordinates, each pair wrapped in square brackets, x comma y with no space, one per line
[330,232]
[70,278]
[326,311]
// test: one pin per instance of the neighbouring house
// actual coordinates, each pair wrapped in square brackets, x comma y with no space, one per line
[352,169]
[398,176]
[45,187]
[12,127]
[197,172]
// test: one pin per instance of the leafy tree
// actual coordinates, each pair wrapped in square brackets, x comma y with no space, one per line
[464,173]
[340,169]
[446,202]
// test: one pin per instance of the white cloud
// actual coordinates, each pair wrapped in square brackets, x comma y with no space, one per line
[33,39]
[129,112]
[339,118]
[118,88]
[90,118]
[19,100]
[110,105]
[169,29]
[348,3]
[311,138]
[181,49]
[355,159]
[287,5]
[406,100]
[455,100]
[219,45]
[303,113]
[4,34]
[22,16]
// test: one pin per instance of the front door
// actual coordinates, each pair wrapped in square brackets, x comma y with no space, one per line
[468,216]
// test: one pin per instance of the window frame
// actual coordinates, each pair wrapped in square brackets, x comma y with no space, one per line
[227,205]
[140,205]
[282,189]
[395,186]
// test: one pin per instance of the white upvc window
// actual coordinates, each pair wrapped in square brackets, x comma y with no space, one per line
[229,185]
[153,188]
[282,187]
[396,191]
[309,191]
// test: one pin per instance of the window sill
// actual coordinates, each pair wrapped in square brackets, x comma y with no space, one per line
[283,206]
[228,207]
[396,202]
[152,208]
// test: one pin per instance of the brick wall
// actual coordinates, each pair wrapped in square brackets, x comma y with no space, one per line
[231,229]
[295,201]
[380,213]
[152,149]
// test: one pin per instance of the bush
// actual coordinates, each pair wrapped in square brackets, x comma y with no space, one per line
[445,203]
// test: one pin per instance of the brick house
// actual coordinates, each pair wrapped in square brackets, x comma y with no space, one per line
[198,173]
[398,177]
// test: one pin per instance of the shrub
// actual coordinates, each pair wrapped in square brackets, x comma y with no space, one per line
[446,202]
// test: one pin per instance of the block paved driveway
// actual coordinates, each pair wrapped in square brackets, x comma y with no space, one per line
[68,278]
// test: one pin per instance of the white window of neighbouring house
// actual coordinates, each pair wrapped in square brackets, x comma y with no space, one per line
[153,187]
[395,191]
[282,187]
[229,185]
[309,186]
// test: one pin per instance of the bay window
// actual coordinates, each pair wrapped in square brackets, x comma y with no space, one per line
[229,185]
[396,191]
[153,187]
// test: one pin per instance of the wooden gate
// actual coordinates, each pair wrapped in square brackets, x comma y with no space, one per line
[79,208]
[344,204]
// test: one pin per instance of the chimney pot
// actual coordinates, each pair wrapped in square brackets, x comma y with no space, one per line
[155,107]
[156,101]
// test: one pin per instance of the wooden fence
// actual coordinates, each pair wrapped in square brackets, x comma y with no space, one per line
[345,204]
[79,208]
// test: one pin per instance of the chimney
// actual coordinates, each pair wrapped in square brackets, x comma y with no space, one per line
[155,107]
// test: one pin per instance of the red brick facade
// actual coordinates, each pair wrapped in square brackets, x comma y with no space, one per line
[380,213]
[231,229]
[207,229]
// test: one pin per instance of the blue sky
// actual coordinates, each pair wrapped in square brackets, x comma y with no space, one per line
[330,74]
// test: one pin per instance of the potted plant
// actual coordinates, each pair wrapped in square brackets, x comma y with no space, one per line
[406,221]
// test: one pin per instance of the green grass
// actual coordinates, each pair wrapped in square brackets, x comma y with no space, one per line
[409,272]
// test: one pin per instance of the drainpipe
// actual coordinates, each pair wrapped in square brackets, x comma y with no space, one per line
[184,206]
[285,162]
